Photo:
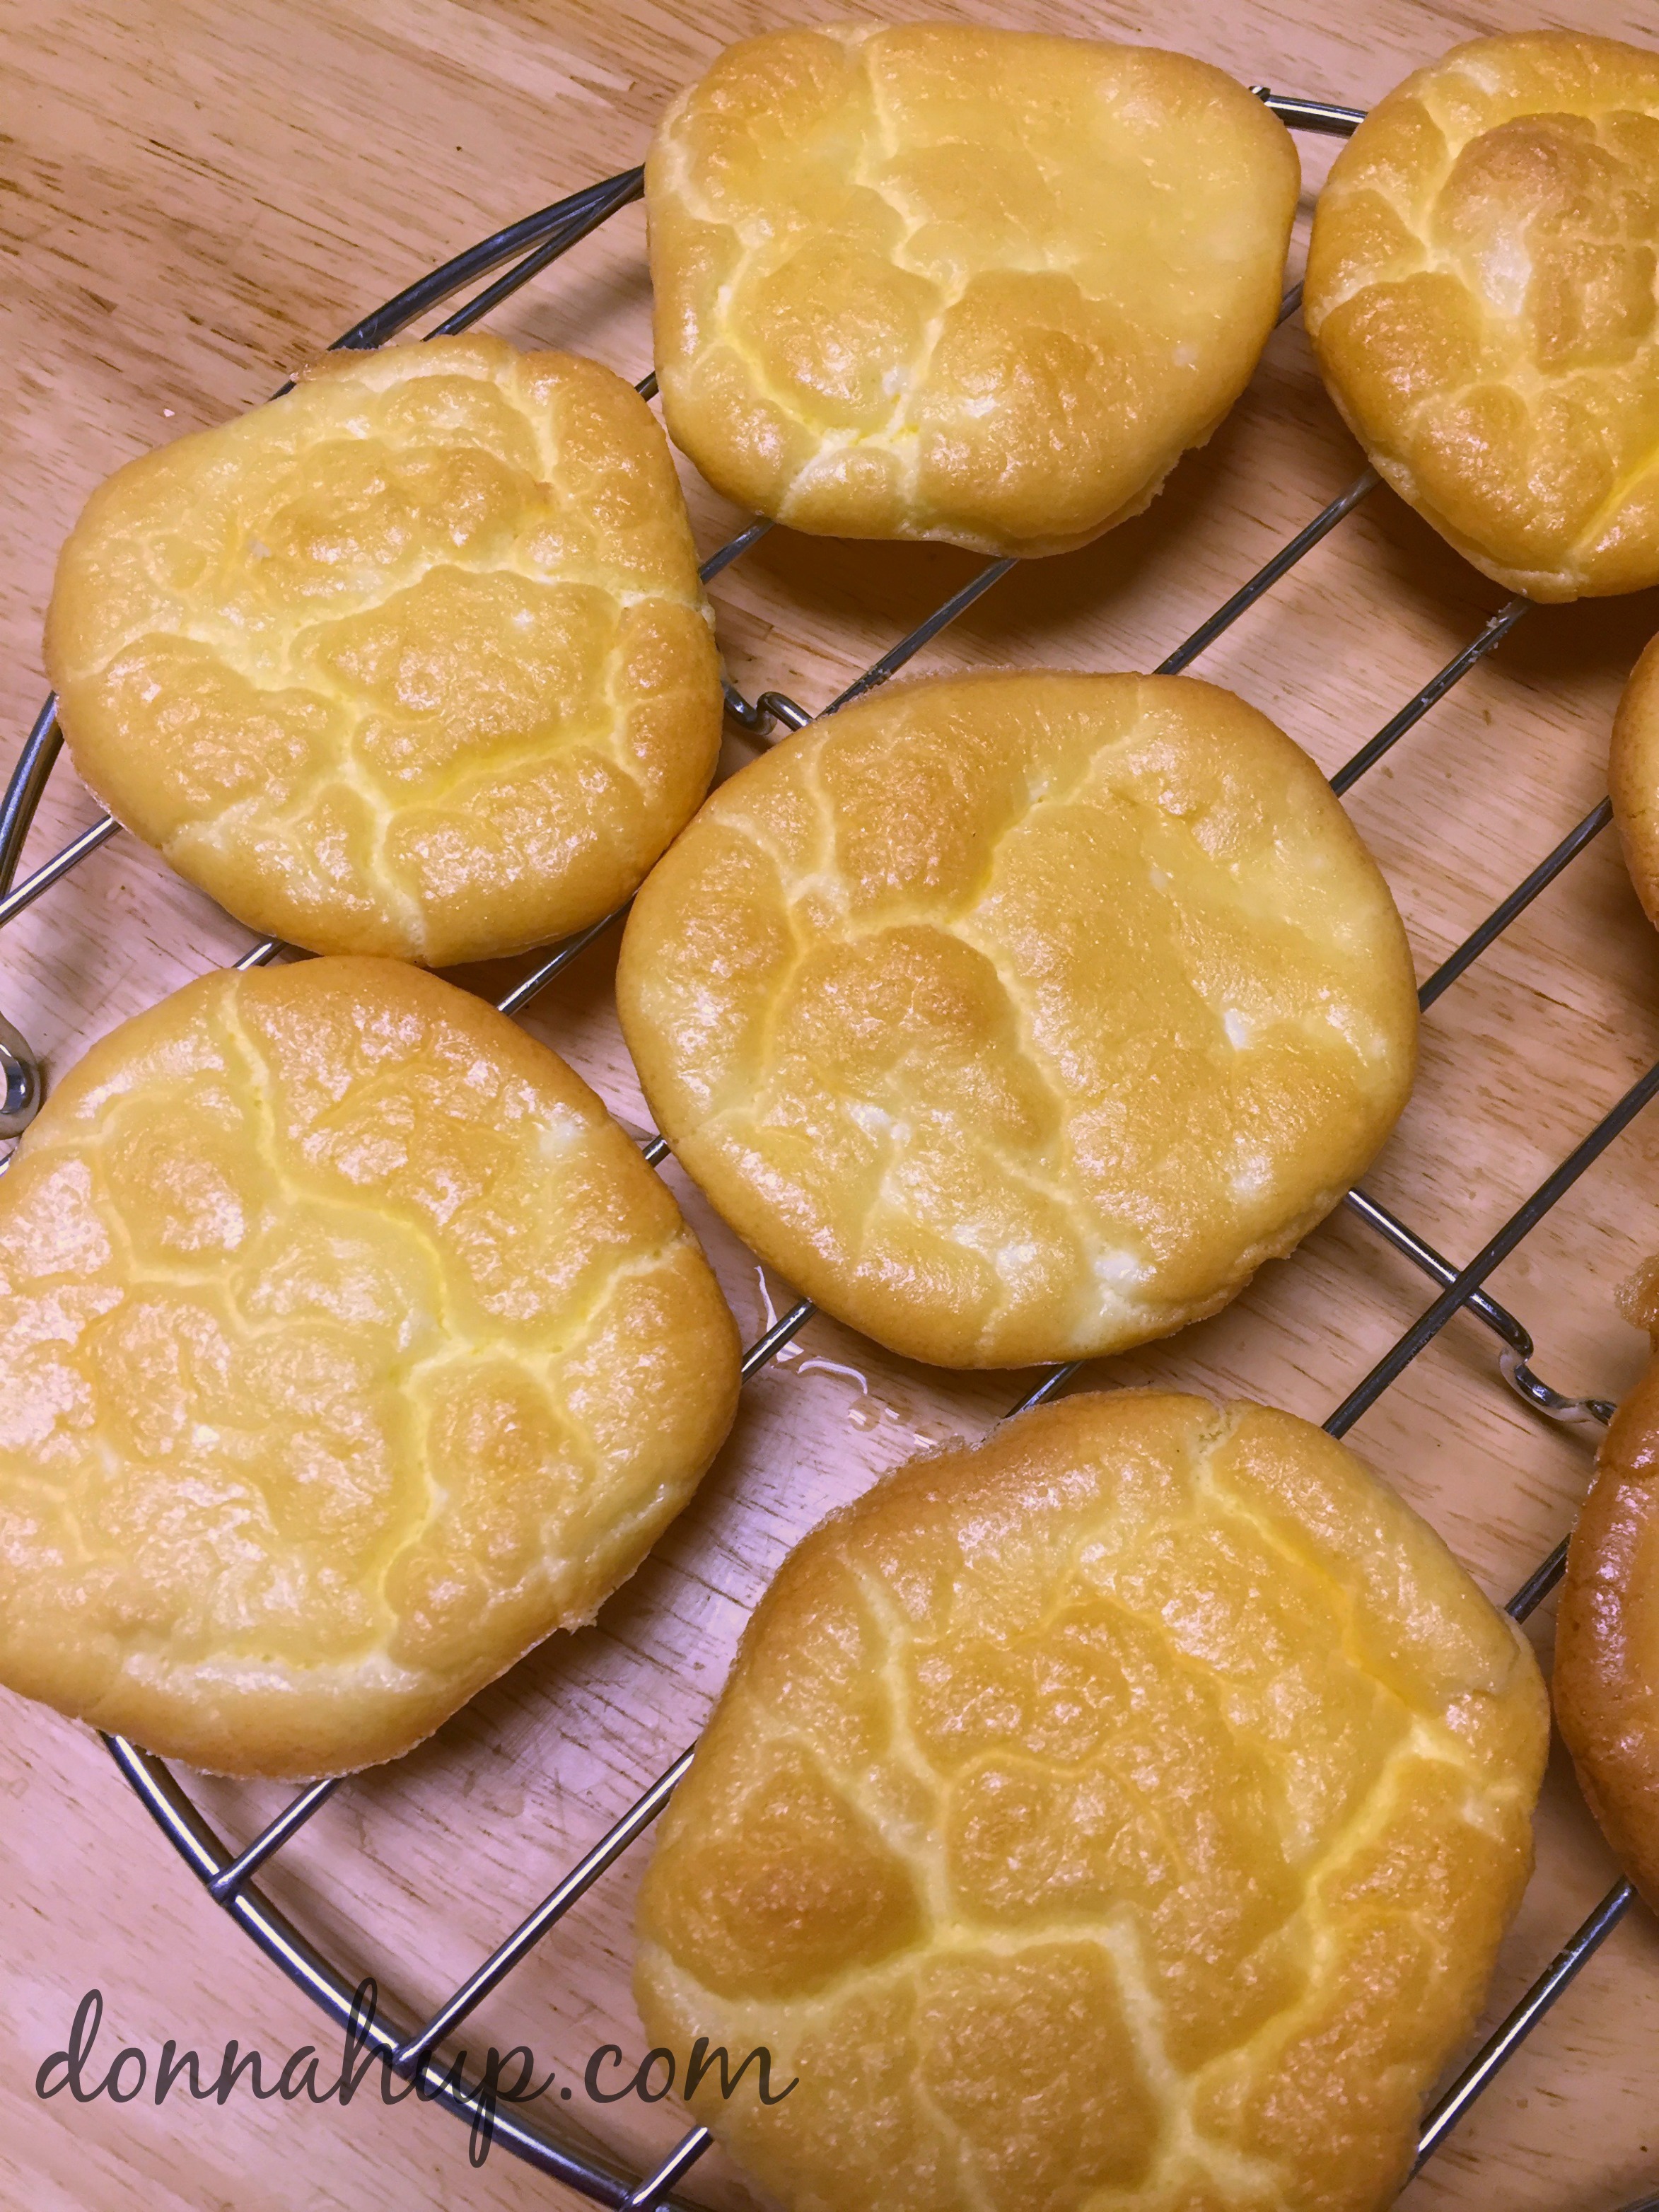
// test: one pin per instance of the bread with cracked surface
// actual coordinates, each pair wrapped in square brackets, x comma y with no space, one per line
[413,660]
[1605,1682]
[348,1348]
[1480,294]
[944,281]
[1122,1814]
[1633,778]
[1020,1017]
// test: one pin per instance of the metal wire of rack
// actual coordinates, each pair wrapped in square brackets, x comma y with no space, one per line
[529,246]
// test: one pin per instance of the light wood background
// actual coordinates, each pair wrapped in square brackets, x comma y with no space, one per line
[198,198]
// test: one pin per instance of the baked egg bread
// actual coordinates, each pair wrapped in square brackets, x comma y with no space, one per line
[1633,778]
[1480,297]
[938,281]
[1607,1633]
[413,660]
[1020,1017]
[1123,1815]
[346,1349]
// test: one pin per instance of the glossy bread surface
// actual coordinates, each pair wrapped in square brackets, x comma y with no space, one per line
[347,1348]
[1607,1635]
[413,660]
[945,282]
[1633,778]
[1480,294]
[1123,1815]
[1021,1017]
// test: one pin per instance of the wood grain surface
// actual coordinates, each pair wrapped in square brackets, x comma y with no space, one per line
[196,198]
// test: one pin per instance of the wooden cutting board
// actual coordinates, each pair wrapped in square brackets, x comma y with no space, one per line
[198,199]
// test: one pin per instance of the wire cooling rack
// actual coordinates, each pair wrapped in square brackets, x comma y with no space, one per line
[522,250]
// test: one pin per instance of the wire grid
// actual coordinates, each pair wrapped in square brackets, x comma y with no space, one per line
[529,246]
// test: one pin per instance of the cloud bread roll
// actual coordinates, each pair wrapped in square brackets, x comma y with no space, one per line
[936,281]
[1480,295]
[1123,1815]
[1021,1017]
[1607,1633]
[413,660]
[347,1348]
[1633,778]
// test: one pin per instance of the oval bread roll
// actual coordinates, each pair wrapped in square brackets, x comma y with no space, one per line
[347,1348]
[1480,296]
[1021,1017]
[1122,1815]
[1606,1634]
[413,660]
[936,281]
[1633,778]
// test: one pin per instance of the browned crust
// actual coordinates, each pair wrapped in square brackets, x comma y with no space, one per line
[1633,778]
[1607,1639]
[817,1885]
[389,671]
[273,1605]
[1448,319]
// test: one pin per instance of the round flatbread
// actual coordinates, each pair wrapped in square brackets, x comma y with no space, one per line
[1480,296]
[1020,1018]
[1123,1815]
[1605,1682]
[1633,778]
[414,660]
[347,1348]
[936,281]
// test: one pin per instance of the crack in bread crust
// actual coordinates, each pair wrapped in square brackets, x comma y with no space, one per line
[1121,1815]
[349,1348]
[414,660]
[942,283]
[1482,296]
[1020,1018]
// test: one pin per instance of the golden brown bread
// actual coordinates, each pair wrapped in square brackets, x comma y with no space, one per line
[1123,1816]
[1480,296]
[1607,1633]
[938,281]
[1633,778]
[347,1348]
[414,660]
[1021,1017]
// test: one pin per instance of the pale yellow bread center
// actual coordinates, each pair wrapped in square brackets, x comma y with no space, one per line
[1482,296]
[347,1348]
[936,281]
[413,660]
[1021,1017]
[1123,1816]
